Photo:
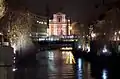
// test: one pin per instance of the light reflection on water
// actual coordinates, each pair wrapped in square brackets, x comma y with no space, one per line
[79,70]
[57,68]
[104,74]
[52,65]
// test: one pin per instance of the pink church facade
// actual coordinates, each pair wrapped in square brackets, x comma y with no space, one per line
[59,25]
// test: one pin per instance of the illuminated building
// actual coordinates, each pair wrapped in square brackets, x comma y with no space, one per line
[39,26]
[59,25]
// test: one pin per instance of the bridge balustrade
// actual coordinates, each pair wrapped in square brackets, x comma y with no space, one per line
[55,38]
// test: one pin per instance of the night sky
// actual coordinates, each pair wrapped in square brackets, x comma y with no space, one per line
[79,10]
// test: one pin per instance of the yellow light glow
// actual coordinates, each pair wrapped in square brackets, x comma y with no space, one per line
[70,59]
[45,23]
[70,28]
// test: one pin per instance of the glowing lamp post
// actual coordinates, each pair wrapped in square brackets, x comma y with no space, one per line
[70,30]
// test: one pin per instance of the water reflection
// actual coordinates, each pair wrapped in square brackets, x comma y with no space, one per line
[79,70]
[98,71]
[62,65]
[57,64]
[50,55]
[83,69]
[104,76]
[68,57]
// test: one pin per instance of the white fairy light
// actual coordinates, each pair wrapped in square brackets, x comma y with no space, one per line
[19,34]
[2,8]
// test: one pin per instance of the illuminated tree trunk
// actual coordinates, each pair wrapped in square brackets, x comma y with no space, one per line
[20,31]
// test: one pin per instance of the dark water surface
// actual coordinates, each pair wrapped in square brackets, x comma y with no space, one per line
[56,64]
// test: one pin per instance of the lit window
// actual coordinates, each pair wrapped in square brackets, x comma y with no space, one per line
[37,21]
[30,35]
[68,20]
[115,33]
[45,23]
[49,20]
[41,22]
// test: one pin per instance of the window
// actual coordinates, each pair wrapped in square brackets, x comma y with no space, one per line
[58,19]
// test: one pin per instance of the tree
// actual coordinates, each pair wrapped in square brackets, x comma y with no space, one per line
[20,31]
[2,8]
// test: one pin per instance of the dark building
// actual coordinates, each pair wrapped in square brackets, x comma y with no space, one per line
[39,26]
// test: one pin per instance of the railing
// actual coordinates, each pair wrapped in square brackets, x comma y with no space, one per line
[55,38]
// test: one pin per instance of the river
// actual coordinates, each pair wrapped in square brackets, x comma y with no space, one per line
[57,64]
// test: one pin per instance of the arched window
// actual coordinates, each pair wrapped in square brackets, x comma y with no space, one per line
[59,18]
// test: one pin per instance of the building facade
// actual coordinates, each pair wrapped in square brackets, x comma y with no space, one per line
[39,26]
[59,25]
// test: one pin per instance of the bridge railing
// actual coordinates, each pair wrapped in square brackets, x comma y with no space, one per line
[56,38]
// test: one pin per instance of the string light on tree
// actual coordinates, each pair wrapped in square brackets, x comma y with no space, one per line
[19,34]
[2,8]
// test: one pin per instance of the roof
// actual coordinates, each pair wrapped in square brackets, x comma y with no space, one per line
[60,13]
